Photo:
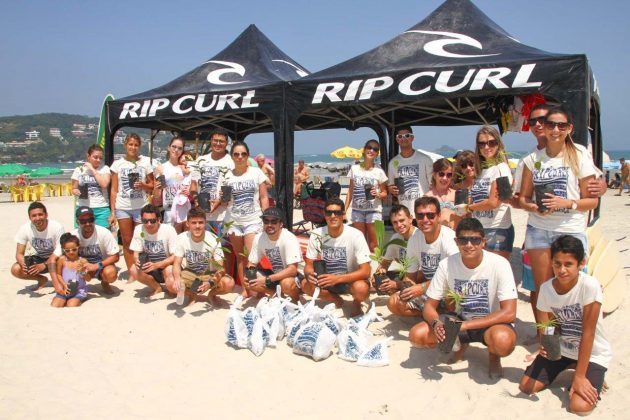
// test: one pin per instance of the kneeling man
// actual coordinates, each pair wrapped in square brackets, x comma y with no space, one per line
[485,283]
[199,260]
[346,255]
[282,249]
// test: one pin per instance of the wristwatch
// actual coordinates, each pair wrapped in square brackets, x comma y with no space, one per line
[573,205]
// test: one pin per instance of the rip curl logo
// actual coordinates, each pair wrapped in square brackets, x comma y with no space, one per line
[214,76]
[336,259]
[429,264]
[436,47]
[92,253]
[476,302]
[300,72]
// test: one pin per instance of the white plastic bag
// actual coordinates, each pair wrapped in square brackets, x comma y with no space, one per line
[259,339]
[376,355]
[352,342]
[235,329]
[315,340]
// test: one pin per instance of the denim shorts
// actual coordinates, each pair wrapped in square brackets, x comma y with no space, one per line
[536,238]
[81,295]
[499,239]
[242,230]
[365,216]
[128,214]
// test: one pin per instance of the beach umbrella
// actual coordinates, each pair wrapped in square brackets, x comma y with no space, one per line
[45,171]
[347,152]
[12,169]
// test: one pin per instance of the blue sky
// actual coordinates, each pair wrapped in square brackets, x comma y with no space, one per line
[65,56]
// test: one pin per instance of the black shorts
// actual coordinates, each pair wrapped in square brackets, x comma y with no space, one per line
[476,336]
[341,288]
[157,275]
[546,371]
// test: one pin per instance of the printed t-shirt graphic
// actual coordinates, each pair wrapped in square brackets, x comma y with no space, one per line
[475,292]
[44,243]
[97,196]
[479,192]
[336,259]
[98,246]
[570,317]
[427,257]
[284,251]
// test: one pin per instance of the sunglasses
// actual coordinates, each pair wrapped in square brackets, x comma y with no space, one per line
[445,174]
[149,221]
[562,126]
[239,154]
[463,240]
[404,136]
[67,250]
[374,148]
[429,215]
[270,221]
[538,120]
[333,213]
[218,141]
[489,143]
[465,165]
[86,221]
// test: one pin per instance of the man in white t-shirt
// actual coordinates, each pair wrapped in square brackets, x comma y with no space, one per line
[42,235]
[346,255]
[485,283]
[99,247]
[199,260]
[430,244]
[282,249]
[412,167]
[153,245]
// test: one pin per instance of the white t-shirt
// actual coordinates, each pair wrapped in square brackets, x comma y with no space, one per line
[426,257]
[209,174]
[174,176]
[127,197]
[361,177]
[565,183]
[416,170]
[245,205]
[499,218]
[482,287]
[98,246]
[280,253]
[44,243]
[158,246]
[196,255]
[97,196]
[567,309]
[396,252]
[342,254]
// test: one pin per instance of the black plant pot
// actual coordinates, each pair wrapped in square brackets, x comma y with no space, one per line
[162,180]
[320,267]
[400,184]
[540,191]
[251,273]
[143,258]
[461,196]
[551,343]
[133,177]
[227,193]
[504,188]
[83,191]
[452,326]
[29,261]
[73,287]
[368,192]
[194,287]
[379,278]
[204,201]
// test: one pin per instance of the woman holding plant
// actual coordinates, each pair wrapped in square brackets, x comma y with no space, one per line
[441,182]
[132,180]
[368,186]
[491,192]
[572,302]
[173,179]
[89,185]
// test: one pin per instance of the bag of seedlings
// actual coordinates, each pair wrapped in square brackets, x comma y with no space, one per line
[235,328]
[352,342]
[260,336]
[376,355]
[315,340]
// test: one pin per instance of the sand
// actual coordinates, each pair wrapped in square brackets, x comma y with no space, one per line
[127,356]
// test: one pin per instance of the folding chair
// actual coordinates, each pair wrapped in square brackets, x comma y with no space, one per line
[312,212]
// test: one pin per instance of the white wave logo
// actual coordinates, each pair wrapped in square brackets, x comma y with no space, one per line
[437,47]
[300,72]
[214,76]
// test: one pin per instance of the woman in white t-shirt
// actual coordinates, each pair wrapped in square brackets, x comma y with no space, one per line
[441,188]
[176,181]
[89,184]
[132,180]
[248,201]
[565,171]
[366,210]
[574,300]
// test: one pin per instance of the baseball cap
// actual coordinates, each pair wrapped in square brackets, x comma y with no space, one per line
[84,210]
[273,212]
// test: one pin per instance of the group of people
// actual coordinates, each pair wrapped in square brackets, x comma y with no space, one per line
[456,258]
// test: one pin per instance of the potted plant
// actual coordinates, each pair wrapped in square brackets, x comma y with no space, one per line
[404,262]
[380,250]
[319,265]
[550,338]
[455,298]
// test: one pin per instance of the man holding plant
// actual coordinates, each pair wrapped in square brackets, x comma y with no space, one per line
[485,285]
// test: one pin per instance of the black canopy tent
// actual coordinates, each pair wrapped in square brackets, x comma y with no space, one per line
[241,89]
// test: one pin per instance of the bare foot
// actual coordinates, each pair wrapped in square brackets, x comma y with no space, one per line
[458,355]
[107,288]
[155,291]
[355,308]
[604,387]
[495,370]
[41,282]
[531,357]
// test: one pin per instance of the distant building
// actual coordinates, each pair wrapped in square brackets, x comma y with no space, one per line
[78,126]
[54,132]
[92,127]
[31,135]
[79,134]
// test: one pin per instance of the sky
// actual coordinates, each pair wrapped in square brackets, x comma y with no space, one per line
[65,56]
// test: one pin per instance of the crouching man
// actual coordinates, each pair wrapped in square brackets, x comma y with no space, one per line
[484,284]
[198,264]
[346,256]
[282,249]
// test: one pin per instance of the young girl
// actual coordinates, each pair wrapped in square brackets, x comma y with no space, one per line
[175,172]
[126,199]
[249,200]
[93,178]
[441,181]
[70,282]
[574,299]
[365,211]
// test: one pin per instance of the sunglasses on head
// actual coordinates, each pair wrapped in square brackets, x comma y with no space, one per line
[445,174]
[537,120]
[562,126]
[86,221]
[149,221]
[404,136]
[374,148]
[70,250]
[463,240]
[429,215]
[270,221]
[333,213]
[489,143]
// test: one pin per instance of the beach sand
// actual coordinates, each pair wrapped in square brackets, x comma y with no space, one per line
[127,356]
